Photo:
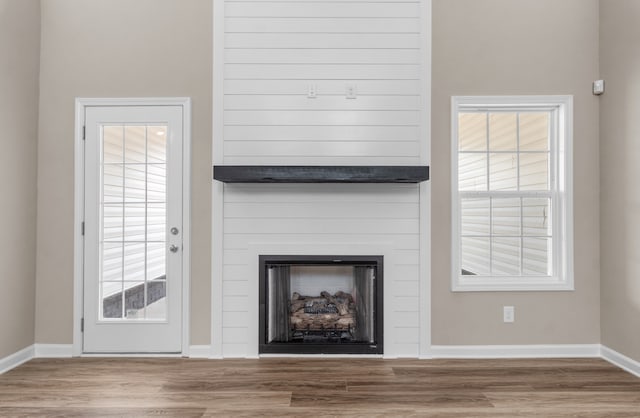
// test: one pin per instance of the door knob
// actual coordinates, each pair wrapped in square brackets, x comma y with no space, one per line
[173,248]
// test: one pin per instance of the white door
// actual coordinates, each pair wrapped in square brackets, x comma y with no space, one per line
[133,229]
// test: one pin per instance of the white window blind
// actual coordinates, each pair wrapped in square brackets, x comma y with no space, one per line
[511,193]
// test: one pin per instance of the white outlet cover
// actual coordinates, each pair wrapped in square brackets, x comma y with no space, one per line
[509,314]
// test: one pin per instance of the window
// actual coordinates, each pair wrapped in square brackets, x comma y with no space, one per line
[511,193]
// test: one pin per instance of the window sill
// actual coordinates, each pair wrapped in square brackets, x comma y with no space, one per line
[510,284]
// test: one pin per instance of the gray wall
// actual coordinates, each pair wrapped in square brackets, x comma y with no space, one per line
[620,174]
[117,48]
[495,47]
[19,20]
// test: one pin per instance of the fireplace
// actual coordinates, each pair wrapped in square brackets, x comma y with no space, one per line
[314,304]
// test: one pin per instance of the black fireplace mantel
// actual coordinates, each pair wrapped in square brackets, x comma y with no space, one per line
[320,174]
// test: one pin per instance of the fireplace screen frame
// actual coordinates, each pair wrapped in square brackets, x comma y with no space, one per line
[266,347]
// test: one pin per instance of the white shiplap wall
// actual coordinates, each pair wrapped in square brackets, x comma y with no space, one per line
[287,216]
[268,54]
[275,50]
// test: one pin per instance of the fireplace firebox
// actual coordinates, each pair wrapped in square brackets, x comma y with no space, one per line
[316,304]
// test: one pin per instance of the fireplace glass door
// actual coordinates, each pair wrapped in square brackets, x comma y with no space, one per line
[321,305]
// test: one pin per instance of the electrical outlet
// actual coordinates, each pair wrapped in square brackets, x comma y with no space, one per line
[508,313]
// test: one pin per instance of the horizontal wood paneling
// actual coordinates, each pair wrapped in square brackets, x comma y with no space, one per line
[321,71]
[325,87]
[322,118]
[403,288]
[235,271]
[299,102]
[355,210]
[406,272]
[322,160]
[318,226]
[406,319]
[321,9]
[334,193]
[405,304]
[322,133]
[235,335]
[235,319]
[236,287]
[321,25]
[237,241]
[406,335]
[326,40]
[275,52]
[235,350]
[321,148]
[322,214]
[322,56]
[323,1]
[233,303]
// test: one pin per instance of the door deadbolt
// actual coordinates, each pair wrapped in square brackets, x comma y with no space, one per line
[175,230]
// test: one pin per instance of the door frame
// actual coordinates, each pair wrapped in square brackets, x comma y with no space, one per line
[79,176]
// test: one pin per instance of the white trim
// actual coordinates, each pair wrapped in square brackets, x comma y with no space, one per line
[620,360]
[186,226]
[80,105]
[424,281]
[217,188]
[136,355]
[562,278]
[53,350]
[78,218]
[515,351]
[437,352]
[217,264]
[218,82]
[507,284]
[14,360]
[425,83]
[424,278]
[199,351]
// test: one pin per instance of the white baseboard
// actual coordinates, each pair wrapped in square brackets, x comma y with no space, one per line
[66,350]
[16,359]
[620,360]
[53,350]
[199,351]
[437,351]
[515,351]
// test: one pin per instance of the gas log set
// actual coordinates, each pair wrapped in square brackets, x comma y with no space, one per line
[320,304]
[322,316]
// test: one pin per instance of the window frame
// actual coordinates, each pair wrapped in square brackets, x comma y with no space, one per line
[560,192]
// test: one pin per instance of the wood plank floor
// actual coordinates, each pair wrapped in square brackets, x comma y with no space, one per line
[133,387]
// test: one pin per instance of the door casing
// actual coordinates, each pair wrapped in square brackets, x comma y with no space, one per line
[78,269]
